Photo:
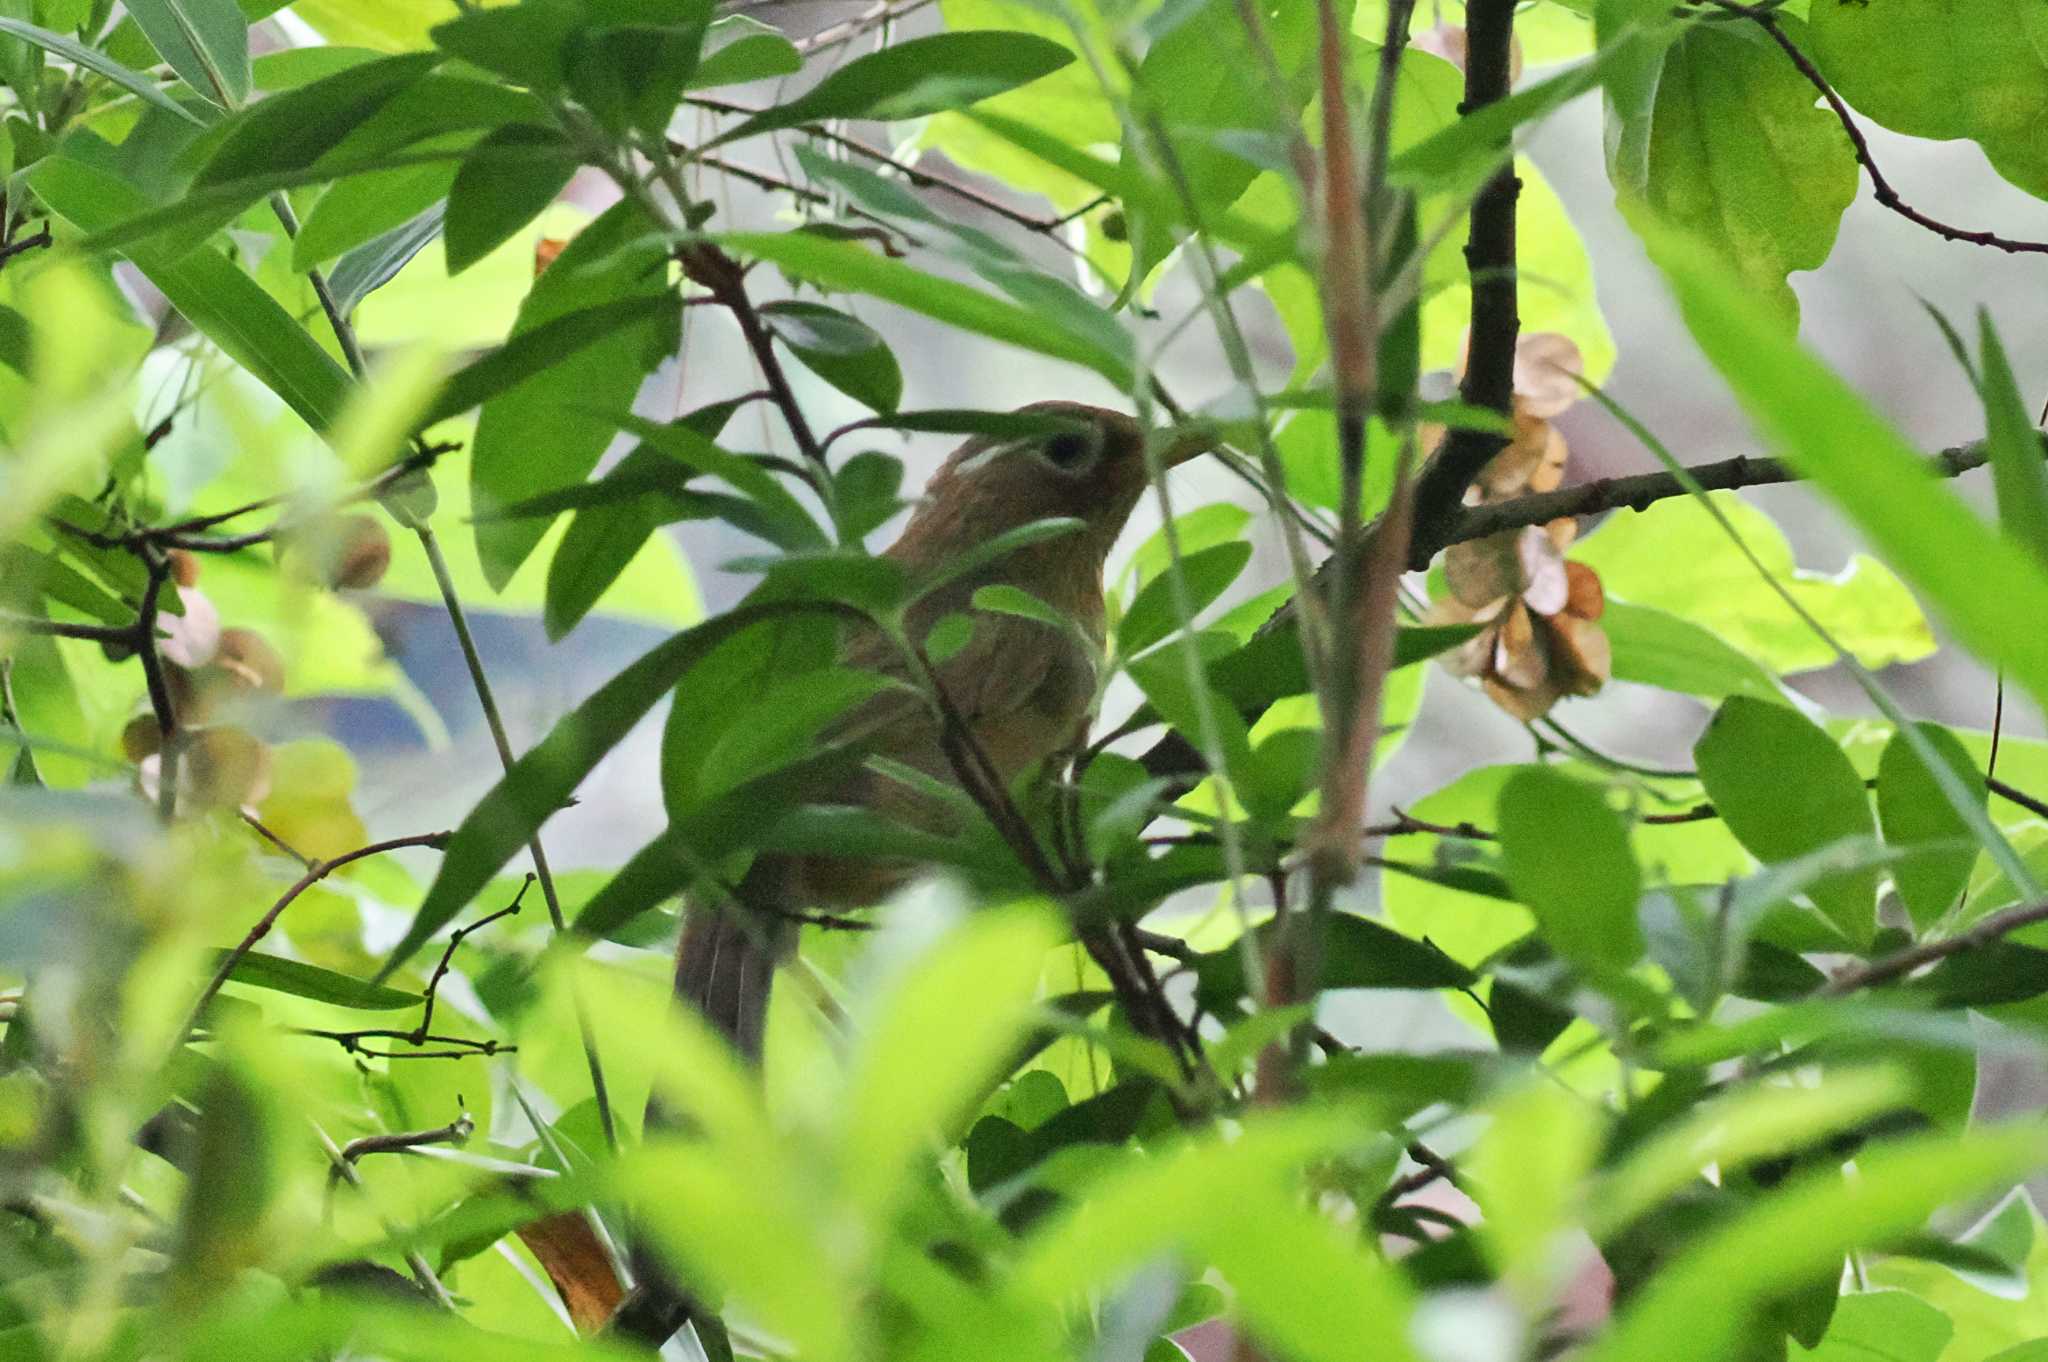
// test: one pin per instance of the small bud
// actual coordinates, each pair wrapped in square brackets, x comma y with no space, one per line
[184,567]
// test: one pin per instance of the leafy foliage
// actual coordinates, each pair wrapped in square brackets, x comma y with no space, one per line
[325,328]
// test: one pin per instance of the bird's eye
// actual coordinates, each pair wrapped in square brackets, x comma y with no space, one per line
[1069,449]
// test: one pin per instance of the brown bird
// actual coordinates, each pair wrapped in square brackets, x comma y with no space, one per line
[1021,687]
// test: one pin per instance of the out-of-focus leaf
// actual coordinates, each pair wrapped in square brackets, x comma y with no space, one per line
[1568,858]
[227,305]
[2018,469]
[1862,462]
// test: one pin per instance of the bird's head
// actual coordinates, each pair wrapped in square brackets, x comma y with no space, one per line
[1085,463]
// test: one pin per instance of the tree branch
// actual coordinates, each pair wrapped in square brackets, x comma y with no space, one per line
[315,873]
[1982,932]
[1638,492]
[1490,261]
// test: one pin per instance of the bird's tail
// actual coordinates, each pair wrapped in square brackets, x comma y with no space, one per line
[725,965]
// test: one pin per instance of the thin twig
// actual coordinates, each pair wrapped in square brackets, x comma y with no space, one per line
[455,940]
[422,1271]
[1637,492]
[456,1131]
[315,873]
[480,683]
[726,281]
[1881,188]
[1982,932]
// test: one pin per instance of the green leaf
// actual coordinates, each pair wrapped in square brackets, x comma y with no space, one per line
[375,263]
[1357,953]
[1784,788]
[526,43]
[1913,809]
[503,184]
[548,431]
[301,980]
[1740,155]
[843,351]
[2019,470]
[603,539]
[380,208]
[205,41]
[98,62]
[739,49]
[1568,858]
[785,522]
[849,267]
[915,78]
[540,782]
[292,130]
[1674,557]
[996,548]
[1881,1326]
[229,307]
[1653,648]
[1992,592]
[538,351]
[1155,612]
[924,1064]
[1697,1306]
[742,816]
[1943,69]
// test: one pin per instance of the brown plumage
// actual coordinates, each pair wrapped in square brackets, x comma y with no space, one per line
[1022,687]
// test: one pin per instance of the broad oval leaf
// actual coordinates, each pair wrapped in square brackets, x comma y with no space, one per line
[1784,788]
[1568,857]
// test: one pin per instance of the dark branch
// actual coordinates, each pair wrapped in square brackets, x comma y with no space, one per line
[1490,261]
[1895,966]
[1639,491]
[315,873]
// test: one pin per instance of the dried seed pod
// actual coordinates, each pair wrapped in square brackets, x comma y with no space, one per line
[247,658]
[142,737]
[184,567]
[226,767]
[345,553]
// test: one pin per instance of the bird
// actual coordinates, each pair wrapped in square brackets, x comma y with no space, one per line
[1022,688]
